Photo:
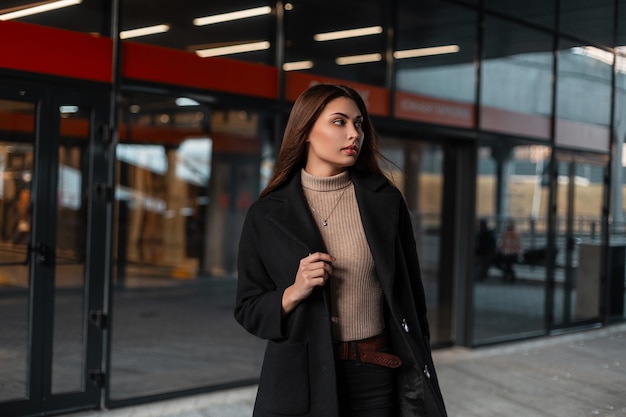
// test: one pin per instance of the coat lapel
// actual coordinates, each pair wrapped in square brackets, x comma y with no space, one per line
[294,217]
[379,214]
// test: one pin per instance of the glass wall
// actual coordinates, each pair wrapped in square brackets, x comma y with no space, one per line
[538,12]
[592,23]
[242,29]
[346,42]
[579,237]
[524,65]
[87,16]
[583,107]
[182,192]
[511,241]
[618,220]
[69,343]
[17,139]
[436,63]
[417,170]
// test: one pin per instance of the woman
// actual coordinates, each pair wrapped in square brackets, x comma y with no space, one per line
[329,275]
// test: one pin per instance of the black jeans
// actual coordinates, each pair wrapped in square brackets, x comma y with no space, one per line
[365,390]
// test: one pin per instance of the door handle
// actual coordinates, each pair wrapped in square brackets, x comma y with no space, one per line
[41,252]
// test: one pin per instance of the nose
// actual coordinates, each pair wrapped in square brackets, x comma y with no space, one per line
[353,132]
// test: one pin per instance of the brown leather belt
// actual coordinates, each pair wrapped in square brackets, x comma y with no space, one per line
[366,350]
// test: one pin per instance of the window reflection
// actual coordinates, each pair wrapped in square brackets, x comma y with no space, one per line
[617,220]
[87,16]
[539,12]
[591,23]
[509,279]
[181,196]
[346,56]
[583,107]
[524,66]
[17,127]
[417,170]
[241,30]
[446,73]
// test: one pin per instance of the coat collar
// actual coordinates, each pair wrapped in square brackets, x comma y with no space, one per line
[294,217]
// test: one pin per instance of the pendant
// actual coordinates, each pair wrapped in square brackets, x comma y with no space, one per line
[324,223]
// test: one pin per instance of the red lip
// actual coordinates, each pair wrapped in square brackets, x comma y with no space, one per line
[352,150]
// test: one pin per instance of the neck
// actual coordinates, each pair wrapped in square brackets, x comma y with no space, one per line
[324,171]
[331,183]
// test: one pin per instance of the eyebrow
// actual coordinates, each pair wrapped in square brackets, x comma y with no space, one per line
[360,116]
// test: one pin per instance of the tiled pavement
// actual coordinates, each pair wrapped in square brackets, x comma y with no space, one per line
[581,374]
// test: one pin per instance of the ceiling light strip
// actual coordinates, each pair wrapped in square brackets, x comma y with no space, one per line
[148,30]
[435,50]
[233,49]
[39,9]
[226,17]
[297,65]
[358,59]
[351,33]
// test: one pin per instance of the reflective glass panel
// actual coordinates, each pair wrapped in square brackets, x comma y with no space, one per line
[437,64]
[516,80]
[579,240]
[323,34]
[592,21]
[511,238]
[618,193]
[17,136]
[87,16]
[181,197]
[583,104]
[418,173]
[68,350]
[539,12]
[243,29]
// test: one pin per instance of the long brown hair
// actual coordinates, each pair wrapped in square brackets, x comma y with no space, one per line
[305,111]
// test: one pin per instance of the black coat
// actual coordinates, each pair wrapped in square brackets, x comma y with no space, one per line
[298,374]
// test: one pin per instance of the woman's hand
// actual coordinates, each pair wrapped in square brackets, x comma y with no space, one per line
[313,272]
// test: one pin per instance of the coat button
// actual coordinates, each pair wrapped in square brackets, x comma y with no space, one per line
[405,326]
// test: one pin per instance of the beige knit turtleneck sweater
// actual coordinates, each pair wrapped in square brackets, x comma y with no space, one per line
[357,299]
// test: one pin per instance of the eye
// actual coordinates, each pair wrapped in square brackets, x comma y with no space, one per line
[358,124]
[339,122]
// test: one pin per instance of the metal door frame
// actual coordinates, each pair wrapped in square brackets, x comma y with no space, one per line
[47,99]
[571,159]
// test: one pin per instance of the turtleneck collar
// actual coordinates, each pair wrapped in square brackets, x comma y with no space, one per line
[332,183]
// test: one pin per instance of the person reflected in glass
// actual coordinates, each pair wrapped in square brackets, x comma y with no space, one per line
[485,249]
[328,273]
[509,250]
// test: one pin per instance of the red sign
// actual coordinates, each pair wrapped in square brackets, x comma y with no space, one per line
[433,110]
[376,98]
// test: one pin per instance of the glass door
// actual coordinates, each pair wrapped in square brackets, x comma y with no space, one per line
[579,243]
[51,288]
[417,169]
[511,241]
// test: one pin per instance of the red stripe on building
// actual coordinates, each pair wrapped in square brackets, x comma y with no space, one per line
[171,66]
[51,51]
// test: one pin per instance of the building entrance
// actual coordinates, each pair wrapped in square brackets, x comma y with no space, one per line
[51,265]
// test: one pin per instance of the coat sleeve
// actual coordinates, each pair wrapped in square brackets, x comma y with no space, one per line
[409,247]
[258,303]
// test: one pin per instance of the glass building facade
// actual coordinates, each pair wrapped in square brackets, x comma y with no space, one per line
[134,136]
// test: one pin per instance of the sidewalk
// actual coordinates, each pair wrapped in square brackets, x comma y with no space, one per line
[581,374]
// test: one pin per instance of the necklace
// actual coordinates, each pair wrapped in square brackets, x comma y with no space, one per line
[325,219]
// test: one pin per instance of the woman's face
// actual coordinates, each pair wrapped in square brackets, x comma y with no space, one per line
[336,138]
